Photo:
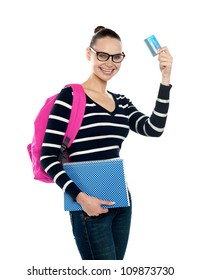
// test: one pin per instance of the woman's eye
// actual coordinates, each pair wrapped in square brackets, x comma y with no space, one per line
[117,57]
[103,56]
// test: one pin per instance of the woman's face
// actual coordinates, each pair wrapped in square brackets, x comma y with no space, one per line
[105,70]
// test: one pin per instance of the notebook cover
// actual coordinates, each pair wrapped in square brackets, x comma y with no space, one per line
[104,179]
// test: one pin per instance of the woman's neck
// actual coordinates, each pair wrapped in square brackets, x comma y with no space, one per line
[95,85]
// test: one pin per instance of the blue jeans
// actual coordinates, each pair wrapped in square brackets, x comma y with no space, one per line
[104,237]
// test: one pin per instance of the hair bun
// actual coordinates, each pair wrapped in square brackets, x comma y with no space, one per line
[98,28]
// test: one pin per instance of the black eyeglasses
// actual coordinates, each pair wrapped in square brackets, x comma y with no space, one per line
[102,56]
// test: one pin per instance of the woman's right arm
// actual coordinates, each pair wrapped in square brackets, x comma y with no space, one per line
[55,131]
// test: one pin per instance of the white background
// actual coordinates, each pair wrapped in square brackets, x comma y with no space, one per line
[43,48]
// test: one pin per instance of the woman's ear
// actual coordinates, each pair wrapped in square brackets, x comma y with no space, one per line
[88,54]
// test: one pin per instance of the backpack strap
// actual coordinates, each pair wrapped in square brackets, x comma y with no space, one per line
[76,117]
[77,112]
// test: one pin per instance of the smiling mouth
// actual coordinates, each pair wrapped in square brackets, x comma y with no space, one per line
[107,71]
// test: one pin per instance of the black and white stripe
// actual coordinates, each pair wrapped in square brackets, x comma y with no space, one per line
[101,133]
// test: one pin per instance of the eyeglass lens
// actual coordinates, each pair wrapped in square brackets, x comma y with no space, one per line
[105,56]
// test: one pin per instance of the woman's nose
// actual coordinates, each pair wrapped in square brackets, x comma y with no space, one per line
[109,62]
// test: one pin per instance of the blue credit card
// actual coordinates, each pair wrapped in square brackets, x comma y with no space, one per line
[152,44]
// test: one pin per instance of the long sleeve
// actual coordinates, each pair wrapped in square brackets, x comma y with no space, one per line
[154,124]
[55,131]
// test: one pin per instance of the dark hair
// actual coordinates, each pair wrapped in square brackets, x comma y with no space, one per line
[101,32]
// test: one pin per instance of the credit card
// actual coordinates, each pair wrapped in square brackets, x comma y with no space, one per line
[152,44]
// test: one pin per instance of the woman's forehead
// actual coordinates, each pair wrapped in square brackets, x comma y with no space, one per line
[108,44]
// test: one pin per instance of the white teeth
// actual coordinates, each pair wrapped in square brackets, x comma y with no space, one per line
[107,70]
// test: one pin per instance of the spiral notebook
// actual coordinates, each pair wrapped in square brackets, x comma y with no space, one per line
[104,179]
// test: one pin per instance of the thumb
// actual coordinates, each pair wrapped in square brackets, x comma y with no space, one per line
[106,202]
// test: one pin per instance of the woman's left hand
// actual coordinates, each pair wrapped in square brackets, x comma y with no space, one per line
[165,62]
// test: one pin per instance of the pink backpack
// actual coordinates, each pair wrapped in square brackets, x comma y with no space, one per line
[40,123]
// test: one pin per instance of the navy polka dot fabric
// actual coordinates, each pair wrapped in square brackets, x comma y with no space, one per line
[102,179]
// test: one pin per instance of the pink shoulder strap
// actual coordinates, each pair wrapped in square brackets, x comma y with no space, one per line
[77,112]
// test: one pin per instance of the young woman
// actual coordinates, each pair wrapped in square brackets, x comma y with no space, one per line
[100,233]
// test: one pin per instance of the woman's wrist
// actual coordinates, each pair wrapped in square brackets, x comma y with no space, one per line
[165,81]
[81,197]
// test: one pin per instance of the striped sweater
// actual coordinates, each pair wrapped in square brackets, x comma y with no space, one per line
[101,133]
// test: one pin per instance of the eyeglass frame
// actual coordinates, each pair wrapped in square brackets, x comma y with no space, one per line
[109,55]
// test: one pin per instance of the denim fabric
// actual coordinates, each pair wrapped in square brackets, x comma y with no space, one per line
[104,237]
